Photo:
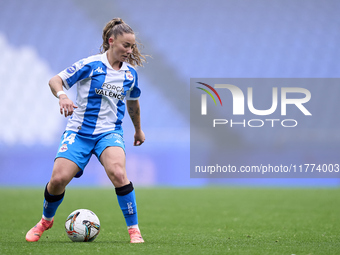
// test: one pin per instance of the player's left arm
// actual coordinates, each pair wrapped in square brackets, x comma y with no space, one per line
[134,112]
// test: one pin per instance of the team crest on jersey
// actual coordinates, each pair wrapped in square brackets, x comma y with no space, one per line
[63,148]
[129,76]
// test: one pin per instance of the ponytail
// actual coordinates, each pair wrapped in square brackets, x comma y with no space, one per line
[117,27]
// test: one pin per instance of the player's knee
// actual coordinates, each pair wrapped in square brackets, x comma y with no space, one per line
[117,174]
[58,182]
[121,178]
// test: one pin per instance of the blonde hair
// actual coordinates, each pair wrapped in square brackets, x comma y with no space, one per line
[117,27]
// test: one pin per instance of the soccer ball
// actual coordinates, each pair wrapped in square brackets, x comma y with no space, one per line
[82,225]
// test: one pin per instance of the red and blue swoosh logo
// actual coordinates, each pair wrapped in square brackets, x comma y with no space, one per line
[209,93]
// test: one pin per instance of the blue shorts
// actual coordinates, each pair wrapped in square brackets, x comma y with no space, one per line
[79,148]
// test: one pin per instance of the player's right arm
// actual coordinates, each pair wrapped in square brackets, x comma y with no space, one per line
[66,104]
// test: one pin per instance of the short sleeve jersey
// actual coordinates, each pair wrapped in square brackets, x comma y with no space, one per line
[101,91]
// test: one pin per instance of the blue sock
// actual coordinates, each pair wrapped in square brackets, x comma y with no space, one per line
[51,204]
[127,202]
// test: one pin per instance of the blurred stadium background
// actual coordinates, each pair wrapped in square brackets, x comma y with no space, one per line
[186,39]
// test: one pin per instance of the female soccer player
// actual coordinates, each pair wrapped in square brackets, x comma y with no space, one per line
[103,82]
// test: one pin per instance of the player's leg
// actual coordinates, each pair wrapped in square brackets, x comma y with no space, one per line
[113,160]
[73,155]
[63,172]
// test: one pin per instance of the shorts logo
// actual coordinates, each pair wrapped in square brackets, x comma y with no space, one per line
[63,148]
[109,136]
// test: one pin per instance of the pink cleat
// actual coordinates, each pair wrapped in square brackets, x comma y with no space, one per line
[135,236]
[35,233]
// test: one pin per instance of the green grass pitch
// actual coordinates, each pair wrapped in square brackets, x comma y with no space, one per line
[183,221]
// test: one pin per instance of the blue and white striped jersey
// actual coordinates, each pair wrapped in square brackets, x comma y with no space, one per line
[101,91]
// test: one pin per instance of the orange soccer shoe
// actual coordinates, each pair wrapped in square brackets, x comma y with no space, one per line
[35,233]
[135,236]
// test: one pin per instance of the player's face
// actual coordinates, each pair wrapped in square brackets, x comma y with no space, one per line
[122,46]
